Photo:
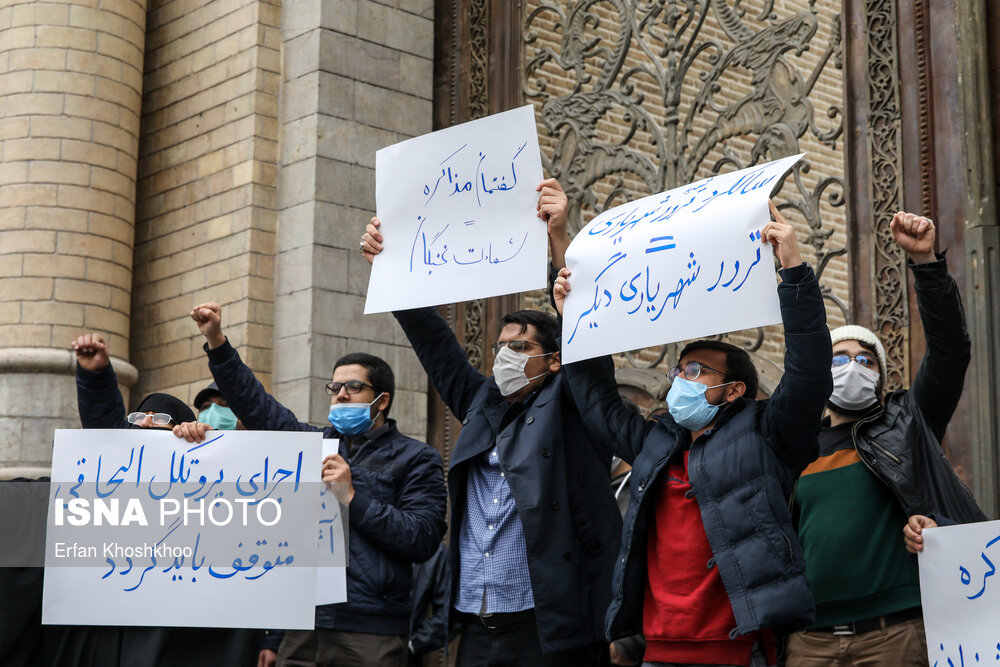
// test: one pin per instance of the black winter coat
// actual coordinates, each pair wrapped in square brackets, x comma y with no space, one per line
[742,472]
[558,474]
[901,443]
[397,516]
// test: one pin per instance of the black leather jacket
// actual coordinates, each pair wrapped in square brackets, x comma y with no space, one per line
[901,441]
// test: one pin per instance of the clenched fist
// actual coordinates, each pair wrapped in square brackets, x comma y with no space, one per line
[915,235]
[91,352]
[208,317]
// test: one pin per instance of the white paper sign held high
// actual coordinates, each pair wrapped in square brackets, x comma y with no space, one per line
[457,212]
[681,264]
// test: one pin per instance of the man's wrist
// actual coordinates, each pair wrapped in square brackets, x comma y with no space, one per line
[792,263]
[923,258]
[215,341]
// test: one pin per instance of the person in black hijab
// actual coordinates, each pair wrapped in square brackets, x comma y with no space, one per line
[101,406]
[163,404]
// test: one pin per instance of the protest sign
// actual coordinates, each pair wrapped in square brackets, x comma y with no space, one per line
[960,597]
[145,528]
[681,264]
[457,209]
[331,575]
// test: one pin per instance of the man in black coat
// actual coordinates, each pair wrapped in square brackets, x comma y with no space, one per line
[534,525]
[393,486]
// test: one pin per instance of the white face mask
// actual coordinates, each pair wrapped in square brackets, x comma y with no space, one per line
[854,386]
[508,370]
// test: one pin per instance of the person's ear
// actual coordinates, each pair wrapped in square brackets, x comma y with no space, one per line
[735,390]
[383,402]
[555,362]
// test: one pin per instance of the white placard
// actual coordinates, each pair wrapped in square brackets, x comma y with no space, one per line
[681,264]
[960,593]
[193,563]
[458,215]
[331,579]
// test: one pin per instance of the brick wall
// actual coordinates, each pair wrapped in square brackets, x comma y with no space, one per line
[69,125]
[70,86]
[205,228]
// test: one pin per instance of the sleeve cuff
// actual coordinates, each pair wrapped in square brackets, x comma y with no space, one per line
[219,354]
[929,273]
[96,379]
[272,640]
[358,508]
[794,274]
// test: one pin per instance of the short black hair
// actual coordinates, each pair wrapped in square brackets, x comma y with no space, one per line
[545,324]
[380,375]
[739,366]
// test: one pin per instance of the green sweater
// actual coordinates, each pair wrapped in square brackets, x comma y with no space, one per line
[851,528]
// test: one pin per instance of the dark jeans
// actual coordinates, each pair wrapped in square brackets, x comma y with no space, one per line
[322,648]
[516,645]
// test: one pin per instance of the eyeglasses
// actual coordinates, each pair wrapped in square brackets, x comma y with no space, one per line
[865,360]
[516,345]
[691,370]
[352,386]
[159,418]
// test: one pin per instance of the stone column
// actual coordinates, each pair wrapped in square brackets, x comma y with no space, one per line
[357,76]
[70,97]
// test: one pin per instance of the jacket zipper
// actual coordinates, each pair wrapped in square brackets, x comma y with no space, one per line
[886,452]
[878,476]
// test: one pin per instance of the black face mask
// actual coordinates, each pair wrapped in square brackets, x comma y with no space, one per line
[173,406]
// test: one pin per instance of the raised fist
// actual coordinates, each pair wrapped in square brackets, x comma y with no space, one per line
[91,352]
[915,235]
[208,317]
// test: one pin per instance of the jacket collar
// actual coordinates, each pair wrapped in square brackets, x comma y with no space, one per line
[382,436]
[548,390]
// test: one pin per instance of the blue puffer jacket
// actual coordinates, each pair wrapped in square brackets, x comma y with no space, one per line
[742,472]
[397,516]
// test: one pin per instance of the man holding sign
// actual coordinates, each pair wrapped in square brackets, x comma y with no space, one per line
[534,525]
[392,485]
[710,563]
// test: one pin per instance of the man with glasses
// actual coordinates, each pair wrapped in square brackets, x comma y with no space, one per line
[710,563]
[392,485]
[880,461]
[534,525]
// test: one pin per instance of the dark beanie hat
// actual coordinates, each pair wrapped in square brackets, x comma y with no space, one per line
[171,405]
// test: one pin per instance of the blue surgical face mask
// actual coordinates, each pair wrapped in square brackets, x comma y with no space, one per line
[218,417]
[352,418]
[688,405]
